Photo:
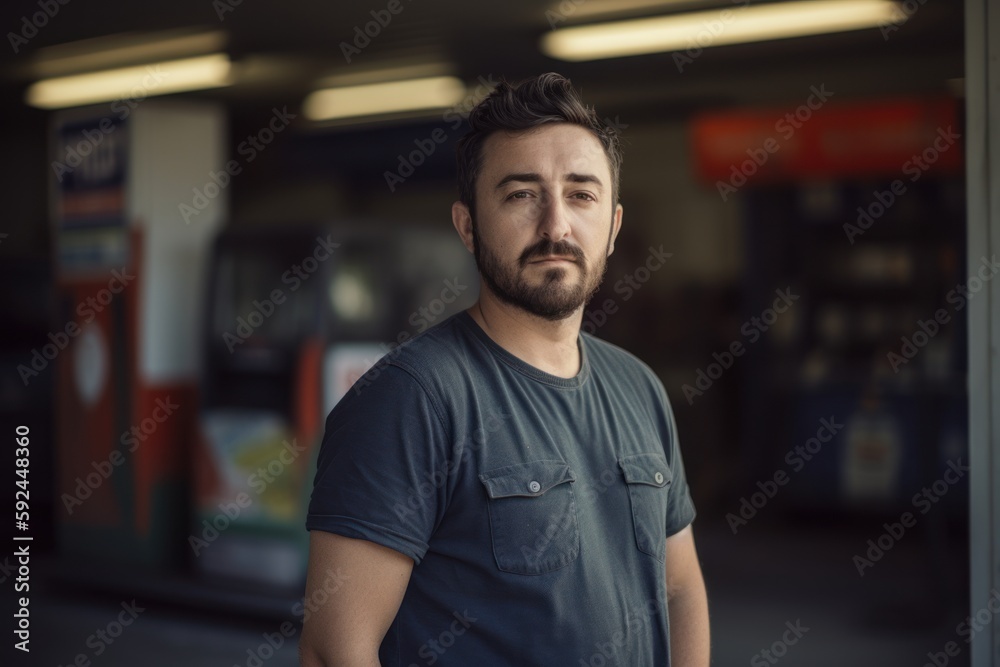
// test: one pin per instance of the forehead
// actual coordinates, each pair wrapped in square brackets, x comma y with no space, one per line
[551,150]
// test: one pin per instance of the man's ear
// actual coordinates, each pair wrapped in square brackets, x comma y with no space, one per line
[616,225]
[462,219]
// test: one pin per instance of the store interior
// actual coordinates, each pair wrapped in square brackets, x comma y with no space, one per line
[196,275]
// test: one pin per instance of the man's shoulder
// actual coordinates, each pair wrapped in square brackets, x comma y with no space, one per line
[602,351]
[431,357]
[613,361]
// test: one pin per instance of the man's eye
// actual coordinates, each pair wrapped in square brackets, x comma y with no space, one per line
[518,195]
[585,195]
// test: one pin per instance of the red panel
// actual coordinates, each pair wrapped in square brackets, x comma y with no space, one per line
[168,412]
[157,443]
[85,431]
[108,202]
[832,140]
[308,379]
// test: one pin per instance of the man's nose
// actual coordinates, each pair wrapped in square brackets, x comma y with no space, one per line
[554,220]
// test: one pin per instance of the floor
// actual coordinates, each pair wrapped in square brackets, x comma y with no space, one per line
[760,585]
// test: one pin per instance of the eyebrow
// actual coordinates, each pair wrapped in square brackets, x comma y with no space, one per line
[532,177]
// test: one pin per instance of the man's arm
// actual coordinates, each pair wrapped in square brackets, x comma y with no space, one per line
[687,603]
[348,628]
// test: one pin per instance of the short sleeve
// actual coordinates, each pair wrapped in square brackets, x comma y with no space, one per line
[680,507]
[375,474]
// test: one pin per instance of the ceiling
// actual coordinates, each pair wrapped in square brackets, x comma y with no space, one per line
[284,47]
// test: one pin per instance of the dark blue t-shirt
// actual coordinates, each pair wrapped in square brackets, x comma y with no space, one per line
[536,508]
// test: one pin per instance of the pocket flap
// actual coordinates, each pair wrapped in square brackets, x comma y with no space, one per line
[649,469]
[526,479]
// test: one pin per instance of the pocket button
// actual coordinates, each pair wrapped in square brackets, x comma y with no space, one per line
[647,477]
[534,486]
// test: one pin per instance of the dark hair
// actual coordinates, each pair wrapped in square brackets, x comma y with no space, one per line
[546,98]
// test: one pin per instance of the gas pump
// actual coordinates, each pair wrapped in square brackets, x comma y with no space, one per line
[295,315]
[128,271]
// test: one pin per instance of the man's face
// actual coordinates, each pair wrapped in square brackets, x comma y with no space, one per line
[545,222]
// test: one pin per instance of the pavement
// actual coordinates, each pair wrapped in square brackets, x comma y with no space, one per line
[789,595]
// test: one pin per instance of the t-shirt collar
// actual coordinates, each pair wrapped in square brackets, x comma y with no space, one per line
[525,368]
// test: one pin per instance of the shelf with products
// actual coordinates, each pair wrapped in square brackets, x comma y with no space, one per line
[876,340]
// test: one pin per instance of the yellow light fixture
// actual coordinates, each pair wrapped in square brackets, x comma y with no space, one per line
[573,10]
[140,81]
[733,25]
[124,49]
[437,92]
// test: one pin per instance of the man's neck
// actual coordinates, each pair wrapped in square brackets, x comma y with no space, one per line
[549,346]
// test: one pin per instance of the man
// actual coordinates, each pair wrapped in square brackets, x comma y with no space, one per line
[503,490]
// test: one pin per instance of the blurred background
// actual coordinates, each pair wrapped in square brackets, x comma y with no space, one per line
[221,213]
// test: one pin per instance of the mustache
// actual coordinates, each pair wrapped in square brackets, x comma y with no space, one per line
[545,247]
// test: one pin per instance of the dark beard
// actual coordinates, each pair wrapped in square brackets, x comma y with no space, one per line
[548,300]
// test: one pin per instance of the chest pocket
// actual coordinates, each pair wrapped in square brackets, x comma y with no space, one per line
[648,479]
[533,517]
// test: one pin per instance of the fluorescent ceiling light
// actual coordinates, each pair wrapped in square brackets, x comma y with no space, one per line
[439,92]
[588,9]
[733,25]
[174,76]
[359,75]
[121,50]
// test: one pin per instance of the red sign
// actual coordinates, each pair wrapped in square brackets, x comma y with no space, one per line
[821,139]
